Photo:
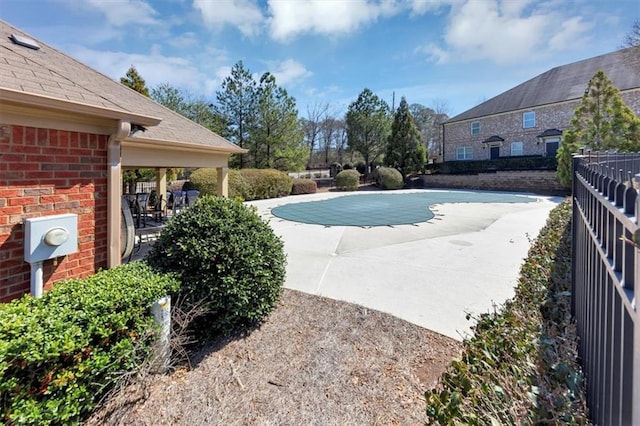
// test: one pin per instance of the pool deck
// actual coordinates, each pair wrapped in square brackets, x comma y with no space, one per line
[465,260]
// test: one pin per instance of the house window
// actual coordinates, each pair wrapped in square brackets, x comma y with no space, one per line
[464,153]
[475,128]
[529,119]
[516,148]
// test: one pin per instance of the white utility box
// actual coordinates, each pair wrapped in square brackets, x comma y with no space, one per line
[50,236]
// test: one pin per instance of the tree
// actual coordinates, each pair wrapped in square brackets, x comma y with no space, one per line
[429,123]
[601,121]
[236,104]
[312,125]
[276,135]
[135,81]
[632,38]
[405,149]
[368,125]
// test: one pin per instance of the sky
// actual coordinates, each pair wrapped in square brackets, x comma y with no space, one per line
[450,54]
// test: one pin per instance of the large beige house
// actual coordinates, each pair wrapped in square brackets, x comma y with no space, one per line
[66,134]
[529,119]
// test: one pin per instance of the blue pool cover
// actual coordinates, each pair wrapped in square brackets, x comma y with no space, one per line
[384,209]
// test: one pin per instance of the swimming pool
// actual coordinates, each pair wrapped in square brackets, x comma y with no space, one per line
[381,209]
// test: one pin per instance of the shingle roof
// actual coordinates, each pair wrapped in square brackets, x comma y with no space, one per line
[563,83]
[49,72]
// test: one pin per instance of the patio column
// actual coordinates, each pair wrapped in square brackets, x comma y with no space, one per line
[161,181]
[223,181]
[114,189]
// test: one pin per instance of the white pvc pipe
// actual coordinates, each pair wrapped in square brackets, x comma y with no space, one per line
[161,311]
[36,279]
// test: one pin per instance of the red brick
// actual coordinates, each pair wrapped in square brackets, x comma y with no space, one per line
[17,135]
[22,201]
[11,210]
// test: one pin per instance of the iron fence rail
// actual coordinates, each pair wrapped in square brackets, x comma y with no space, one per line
[606,266]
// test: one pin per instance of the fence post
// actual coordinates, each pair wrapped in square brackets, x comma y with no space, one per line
[635,399]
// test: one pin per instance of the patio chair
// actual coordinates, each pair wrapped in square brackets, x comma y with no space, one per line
[142,203]
[177,202]
[191,197]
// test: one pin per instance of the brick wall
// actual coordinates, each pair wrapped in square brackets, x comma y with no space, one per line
[509,127]
[45,172]
[536,181]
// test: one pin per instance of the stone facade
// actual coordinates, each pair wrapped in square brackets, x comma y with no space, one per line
[509,126]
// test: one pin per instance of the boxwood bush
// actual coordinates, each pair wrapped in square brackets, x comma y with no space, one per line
[226,257]
[60,354]
[521,367]
[388,178]
[348,180]
[304,186]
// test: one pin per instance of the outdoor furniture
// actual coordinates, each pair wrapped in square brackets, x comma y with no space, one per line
[191,197]
[178,201]
[142,200]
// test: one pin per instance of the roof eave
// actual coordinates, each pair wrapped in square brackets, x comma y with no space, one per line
[141,140]
[41,101]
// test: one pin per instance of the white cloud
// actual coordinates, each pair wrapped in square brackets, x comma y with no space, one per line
[244,14]
[505,31]
[419,7]
[571,33]
[288,72]
[155,68]
[290,18]
[122,12]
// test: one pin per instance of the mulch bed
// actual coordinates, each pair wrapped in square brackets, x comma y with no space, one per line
[315,361]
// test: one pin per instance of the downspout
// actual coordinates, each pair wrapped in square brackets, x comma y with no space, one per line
[114,164]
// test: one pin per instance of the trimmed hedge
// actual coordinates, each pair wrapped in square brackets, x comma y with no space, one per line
[521,367]
[227,258]
[304,186]
[247,184]
[60,354]
[505,163]
[388,178]
[348,180]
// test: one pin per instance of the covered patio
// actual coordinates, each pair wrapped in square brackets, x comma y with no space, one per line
[136,152]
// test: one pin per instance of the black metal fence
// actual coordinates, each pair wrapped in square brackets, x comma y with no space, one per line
[606,267]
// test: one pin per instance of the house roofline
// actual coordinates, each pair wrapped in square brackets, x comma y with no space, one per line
[49,102]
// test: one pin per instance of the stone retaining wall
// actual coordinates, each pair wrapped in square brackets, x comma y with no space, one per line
[536,181]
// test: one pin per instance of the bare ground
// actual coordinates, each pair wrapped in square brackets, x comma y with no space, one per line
[315,361]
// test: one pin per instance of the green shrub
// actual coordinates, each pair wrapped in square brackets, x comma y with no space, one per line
[531,162]
[388,178]
[348,180]
[266,183]
[521,366]
[206,181]
[226,257]
[304,186]
[60,354]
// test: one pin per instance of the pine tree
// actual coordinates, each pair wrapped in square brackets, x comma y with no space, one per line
[237,102]
[277,138]
[368,123]
[405,149]
[602,121]
[135,81]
